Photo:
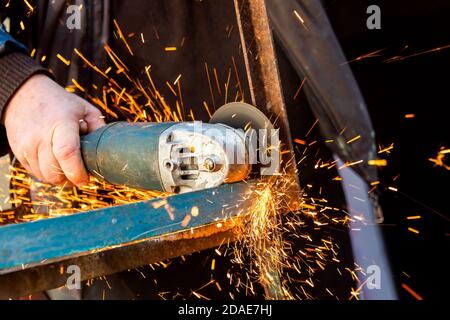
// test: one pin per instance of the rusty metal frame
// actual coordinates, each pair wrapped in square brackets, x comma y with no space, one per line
[261,64]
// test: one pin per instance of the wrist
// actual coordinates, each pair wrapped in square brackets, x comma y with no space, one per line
[18,68]
[25,91]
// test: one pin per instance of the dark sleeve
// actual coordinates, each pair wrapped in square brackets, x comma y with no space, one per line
[16,66]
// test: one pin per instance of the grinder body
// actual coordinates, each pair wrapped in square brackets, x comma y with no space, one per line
[125,154]
[169,156]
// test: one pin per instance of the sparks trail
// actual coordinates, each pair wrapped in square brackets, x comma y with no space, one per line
[398,57]
[262,239]
[372,54]
[439,160]
[401,58]
[38,200]
[265,247]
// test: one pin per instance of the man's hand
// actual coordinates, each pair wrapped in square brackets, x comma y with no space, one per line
[43,123]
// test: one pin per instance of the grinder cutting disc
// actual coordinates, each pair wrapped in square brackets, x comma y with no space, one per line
[241,115]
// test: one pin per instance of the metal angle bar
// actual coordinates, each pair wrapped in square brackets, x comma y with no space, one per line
[117,238]
[266,93]
[264,81]
[261,64]
[365,235]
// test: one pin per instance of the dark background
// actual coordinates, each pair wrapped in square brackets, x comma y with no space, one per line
[417,85]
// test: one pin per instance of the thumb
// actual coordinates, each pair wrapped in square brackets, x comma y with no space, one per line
[66,149]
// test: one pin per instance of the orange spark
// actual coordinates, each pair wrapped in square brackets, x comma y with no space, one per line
[121,36]
[411,292]
[413,230]
[64,60]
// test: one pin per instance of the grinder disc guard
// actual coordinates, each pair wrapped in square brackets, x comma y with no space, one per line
[240,115]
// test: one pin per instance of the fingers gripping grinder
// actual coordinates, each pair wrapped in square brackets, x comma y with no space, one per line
[176,157]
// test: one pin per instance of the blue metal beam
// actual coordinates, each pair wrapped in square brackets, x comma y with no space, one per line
[43,241]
